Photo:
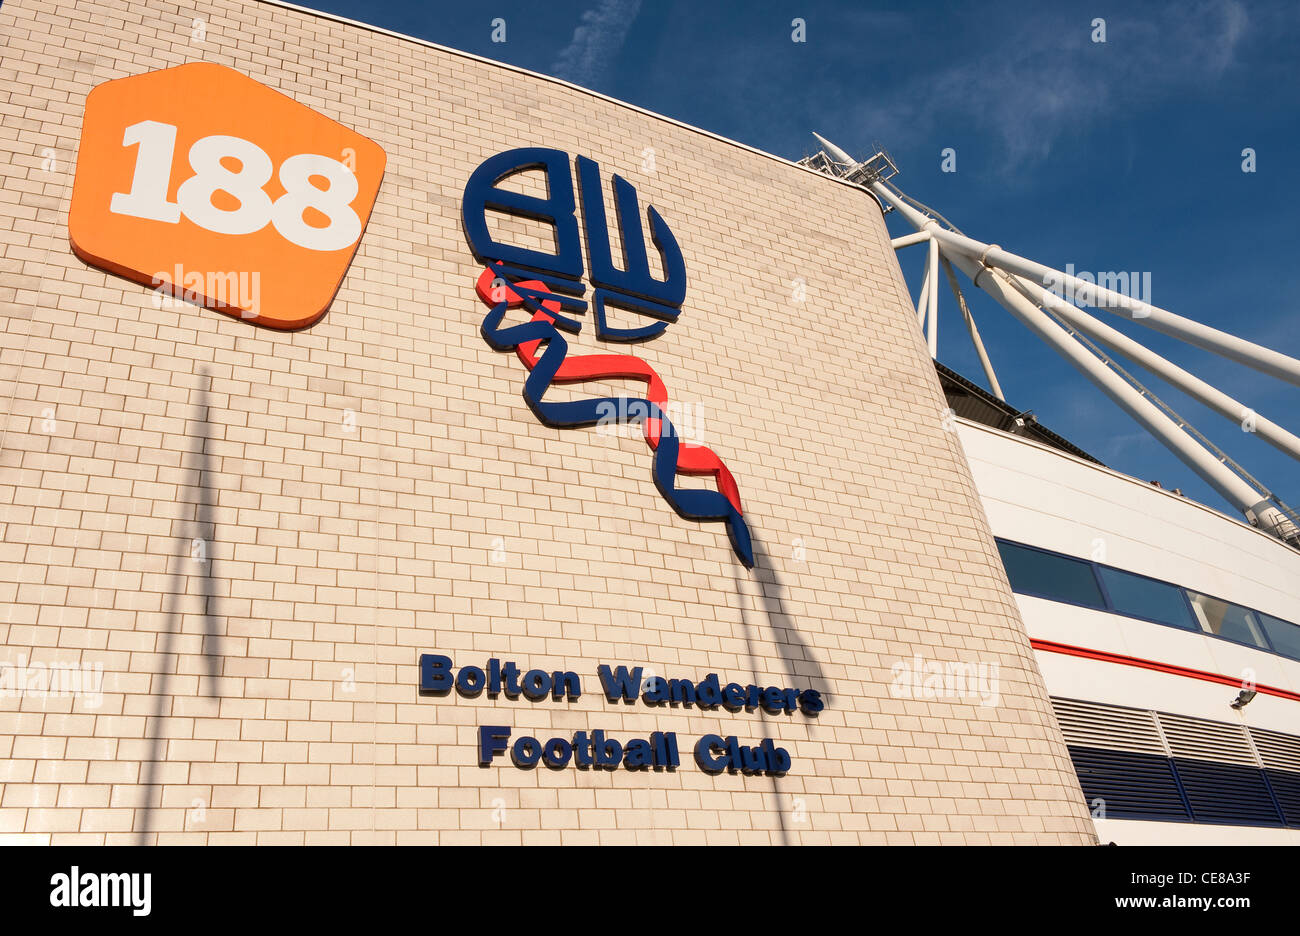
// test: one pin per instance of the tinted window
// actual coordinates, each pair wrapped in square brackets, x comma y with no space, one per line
[1284,635]
[1057,577]
[1227,620]
[1146,598]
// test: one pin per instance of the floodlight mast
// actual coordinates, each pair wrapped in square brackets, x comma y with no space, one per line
[1019,285]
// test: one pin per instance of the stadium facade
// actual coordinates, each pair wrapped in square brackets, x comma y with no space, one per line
[545,527]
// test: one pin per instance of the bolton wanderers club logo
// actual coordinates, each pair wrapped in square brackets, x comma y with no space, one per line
[548,285]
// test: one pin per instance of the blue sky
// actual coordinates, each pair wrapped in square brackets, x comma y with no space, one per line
[1122,155]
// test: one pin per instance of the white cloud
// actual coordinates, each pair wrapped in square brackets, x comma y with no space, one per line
[596,41]
[1047,77]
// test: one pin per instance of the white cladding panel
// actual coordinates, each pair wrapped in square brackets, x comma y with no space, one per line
[1134,832]
[1044,497]
[1040,496]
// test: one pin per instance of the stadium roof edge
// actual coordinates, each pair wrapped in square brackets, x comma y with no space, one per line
[567,84]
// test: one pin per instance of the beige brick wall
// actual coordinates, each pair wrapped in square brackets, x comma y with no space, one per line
[269,695]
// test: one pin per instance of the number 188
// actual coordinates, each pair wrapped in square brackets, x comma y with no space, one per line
[152,179]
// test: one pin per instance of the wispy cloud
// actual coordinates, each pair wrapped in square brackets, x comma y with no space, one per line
[1047,78]
[596,41]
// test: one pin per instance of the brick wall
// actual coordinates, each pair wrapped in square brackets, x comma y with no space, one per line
[269,693]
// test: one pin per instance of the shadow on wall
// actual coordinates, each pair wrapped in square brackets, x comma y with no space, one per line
[801,668]
[195,561]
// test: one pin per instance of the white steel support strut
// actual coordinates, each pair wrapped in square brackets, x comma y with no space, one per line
[1226,482]
[932,317]
[1166,370]
[1262,359]
[923,300]
[975,339]
[907,240]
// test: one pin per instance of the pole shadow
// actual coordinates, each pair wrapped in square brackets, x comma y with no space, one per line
[801,668]
[196,534]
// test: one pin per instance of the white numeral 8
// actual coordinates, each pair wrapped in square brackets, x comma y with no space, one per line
[334,202]
[195,194]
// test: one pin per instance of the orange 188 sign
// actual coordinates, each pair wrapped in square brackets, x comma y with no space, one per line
[214,189]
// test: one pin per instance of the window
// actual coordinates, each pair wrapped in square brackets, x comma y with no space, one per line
[1056,577]
[1142,597]
[1224,619]
[1047,575]
[1284,635]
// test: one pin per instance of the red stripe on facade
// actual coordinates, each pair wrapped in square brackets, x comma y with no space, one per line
[1050,646]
